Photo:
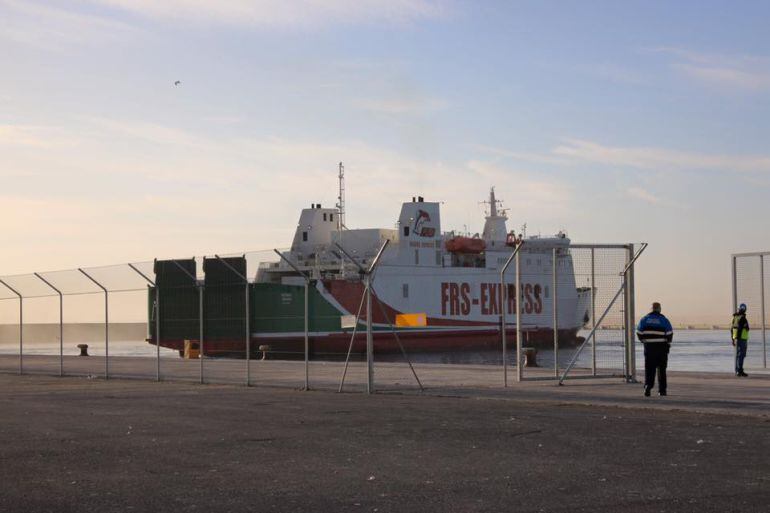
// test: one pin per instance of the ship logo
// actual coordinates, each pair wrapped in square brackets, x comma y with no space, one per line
[419,225]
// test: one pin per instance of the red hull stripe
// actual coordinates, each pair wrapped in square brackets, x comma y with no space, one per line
[348,294]
[384,342]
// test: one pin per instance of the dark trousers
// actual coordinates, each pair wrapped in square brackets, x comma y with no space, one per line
[655,360]
[740,354]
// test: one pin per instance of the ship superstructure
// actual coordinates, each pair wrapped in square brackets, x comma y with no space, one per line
[452,278]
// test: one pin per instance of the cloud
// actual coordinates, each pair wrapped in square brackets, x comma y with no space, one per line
[282,13]
[148,132]
[143,189]
[54,29]
[538,158]
[727,72]
[641,194]
[532,194]
[34,136]
[657,158]
[401,106]
[577,151]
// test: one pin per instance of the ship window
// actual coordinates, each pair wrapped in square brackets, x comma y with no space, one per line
[331,217]
[304,236]
[547,292]
[324,217]
[416,257]
[438,257]
[405,290]
[406,231]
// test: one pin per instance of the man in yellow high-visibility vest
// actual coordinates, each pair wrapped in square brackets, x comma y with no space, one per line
[740,336]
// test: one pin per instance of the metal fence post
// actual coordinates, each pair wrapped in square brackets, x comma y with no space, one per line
[366,276]
[735,306]
[626,338]
[518,316]
[157,332]
[106,324]
[735,282]
[555,312]
[307,315]
[762,303]
[248,330]
[307,341]
[200,330]
[629,314]
[248,335]
[200,314]
[369,338]
[632,316]
[503,311]
[157,316]
[21,326]
[593,312]
[61,323]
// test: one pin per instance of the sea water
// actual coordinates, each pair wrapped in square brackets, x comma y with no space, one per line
[691,350]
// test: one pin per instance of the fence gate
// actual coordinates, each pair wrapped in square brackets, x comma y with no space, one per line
[751,282]
[595,282]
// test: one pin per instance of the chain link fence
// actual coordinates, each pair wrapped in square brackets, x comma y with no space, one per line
[278,318]
[751,284]
[586,323]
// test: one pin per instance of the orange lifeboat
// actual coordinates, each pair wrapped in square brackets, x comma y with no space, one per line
[465,245]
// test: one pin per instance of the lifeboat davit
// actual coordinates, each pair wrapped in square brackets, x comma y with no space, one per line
[465,245]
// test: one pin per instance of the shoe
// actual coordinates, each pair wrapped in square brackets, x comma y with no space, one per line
[647,391]
[742,374]
[662,392]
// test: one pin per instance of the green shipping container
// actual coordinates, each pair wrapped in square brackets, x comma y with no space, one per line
[224,299]
[178,299]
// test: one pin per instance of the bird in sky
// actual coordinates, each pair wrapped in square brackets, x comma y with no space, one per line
[177,82]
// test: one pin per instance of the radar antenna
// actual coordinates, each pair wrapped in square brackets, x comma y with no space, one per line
[495,205]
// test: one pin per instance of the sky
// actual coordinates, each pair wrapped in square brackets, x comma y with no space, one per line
[635,121]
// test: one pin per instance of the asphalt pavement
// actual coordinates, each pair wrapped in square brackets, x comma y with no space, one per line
[78,444]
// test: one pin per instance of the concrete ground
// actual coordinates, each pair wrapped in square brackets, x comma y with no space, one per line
[78,444]
[702,392]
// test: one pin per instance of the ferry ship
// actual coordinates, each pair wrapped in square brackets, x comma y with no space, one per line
[440,291]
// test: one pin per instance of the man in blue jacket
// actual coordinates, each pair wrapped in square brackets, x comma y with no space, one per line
[655,332]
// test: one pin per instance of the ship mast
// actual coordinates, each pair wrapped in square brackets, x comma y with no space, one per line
[492,203]
[494,226]
[341,200]
[341,212]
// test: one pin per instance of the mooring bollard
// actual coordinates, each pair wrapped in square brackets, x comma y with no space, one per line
[530,356]
[83,349]
[264,349]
